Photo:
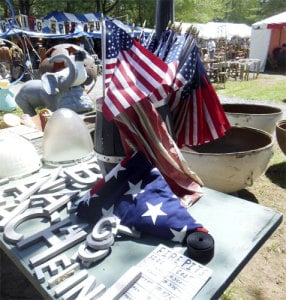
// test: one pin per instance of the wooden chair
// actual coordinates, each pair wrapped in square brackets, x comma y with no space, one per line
[222,73]
[233,70]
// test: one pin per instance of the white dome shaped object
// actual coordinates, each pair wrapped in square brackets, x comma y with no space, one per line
[11,120]
[18,157]
[66,139]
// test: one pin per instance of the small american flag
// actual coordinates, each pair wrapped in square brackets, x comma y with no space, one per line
[138,74]
[186,73]
[117,39]
[167,44]
[151,42]
[176,49]
[143,38]
[162,41]
[141,199]
[198,116]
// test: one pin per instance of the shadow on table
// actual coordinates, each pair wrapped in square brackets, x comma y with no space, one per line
[277,174]
[246,195]
[13,284]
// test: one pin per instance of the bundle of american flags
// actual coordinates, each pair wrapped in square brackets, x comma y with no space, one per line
[150,190]
[137,78]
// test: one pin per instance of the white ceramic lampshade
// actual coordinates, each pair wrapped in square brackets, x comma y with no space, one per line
[18,157]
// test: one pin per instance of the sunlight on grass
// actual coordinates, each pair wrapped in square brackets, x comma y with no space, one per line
[231,293]
[279,156]
[266,87]
[273,247]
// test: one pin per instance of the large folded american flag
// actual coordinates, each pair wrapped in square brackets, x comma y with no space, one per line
[136,193]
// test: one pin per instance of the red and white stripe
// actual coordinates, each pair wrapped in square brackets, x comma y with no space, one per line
[141,128]
[138,74]
[200,118]
[109,70]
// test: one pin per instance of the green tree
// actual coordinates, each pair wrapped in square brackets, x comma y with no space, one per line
[238,11]
[133,11]
[40,8]
[241,11]
[139,11]
[272,7]
[195,11]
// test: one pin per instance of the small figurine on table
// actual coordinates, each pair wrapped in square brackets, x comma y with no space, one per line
[7,102]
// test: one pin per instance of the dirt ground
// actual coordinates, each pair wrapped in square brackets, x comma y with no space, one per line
[264,276]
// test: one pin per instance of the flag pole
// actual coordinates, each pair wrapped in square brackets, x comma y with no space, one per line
[142,31]
[103,53]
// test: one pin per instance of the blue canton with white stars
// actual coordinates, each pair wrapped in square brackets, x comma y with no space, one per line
[139,196]
[189,67]
[117,39]
[176,49]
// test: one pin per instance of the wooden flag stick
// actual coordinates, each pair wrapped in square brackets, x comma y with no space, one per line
[103,53]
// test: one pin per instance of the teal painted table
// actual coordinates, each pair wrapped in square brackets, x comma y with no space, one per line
[239,229]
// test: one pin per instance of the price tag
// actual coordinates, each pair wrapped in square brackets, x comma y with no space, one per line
[167,274]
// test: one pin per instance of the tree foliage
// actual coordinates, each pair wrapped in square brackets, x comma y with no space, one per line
[237,11]
[140,11]
[132,11]
[195,11]
[272,7]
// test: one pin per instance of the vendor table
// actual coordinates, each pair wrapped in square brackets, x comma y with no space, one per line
[237,69]
[239,229]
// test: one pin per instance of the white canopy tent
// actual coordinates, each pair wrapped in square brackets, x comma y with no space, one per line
[217,30]
[266,35]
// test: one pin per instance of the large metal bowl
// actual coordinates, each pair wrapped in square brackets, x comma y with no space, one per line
[263,117]
[233,162]
[280,130]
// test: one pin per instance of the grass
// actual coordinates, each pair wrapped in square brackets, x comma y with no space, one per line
[267,87]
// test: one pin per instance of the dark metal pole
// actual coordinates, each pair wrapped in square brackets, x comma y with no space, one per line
[164,14]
